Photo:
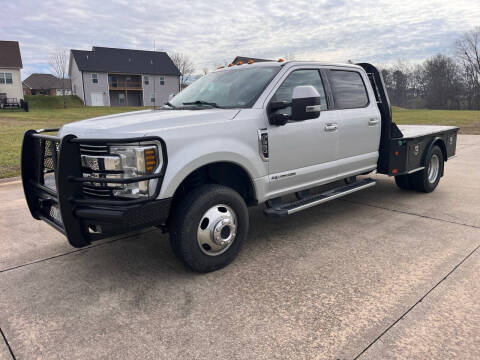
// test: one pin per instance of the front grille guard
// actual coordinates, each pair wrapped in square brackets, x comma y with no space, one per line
[47,157]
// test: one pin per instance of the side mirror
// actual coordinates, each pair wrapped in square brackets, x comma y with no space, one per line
[305,103]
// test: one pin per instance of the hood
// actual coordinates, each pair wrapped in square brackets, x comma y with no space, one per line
[145,122]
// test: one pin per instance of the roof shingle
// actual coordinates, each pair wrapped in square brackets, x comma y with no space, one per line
[127,61]
[10,55]
[45,81]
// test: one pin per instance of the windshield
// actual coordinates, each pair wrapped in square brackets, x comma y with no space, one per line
[229,89]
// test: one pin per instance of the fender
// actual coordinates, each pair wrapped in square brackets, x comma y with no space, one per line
[432,143]
[178,170]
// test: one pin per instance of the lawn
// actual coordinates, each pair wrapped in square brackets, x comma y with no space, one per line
[45,112]
[468,121]
[48,113]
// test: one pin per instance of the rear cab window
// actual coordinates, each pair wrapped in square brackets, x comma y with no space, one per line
[348,88]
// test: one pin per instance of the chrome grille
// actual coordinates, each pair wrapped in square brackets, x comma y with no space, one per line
[93,169]
[94,149]
[100,191]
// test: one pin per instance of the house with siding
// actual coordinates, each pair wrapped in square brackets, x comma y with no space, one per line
[10,72]
[123,77]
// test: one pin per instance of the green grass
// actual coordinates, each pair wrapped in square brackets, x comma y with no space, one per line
[52,102]
[468,121]
[46,112]
[14,123]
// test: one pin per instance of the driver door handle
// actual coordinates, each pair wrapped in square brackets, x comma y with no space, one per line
[331,127]
[373,121]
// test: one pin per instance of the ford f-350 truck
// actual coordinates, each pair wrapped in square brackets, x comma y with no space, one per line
[243,135]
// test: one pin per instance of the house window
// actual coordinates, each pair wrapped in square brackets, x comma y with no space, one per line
[2,78]
[121,98]
[146,81]
[8,78]
[152,99]
[162,80]
[95,78]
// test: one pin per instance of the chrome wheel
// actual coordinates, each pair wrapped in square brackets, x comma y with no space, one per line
[217,230]
[433,168]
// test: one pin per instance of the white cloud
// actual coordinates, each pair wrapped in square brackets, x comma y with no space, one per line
[216,31]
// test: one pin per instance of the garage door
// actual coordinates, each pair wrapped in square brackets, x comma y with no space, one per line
[97,99]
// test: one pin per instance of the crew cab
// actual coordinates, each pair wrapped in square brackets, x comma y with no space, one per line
[243,135]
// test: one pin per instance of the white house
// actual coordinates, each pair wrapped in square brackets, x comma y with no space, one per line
[10,76]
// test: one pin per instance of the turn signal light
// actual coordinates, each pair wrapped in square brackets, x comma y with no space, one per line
[394,171]
[396,153]
[229,65]
[239,63]
[150,160]
[281,60]
[250,61]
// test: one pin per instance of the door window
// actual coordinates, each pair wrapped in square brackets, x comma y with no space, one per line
[300,78]
[348,89]
[121,98]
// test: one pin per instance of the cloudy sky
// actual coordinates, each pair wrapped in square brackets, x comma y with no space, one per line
[214,32]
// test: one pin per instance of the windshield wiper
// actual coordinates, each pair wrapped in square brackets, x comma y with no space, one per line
[202,102]
[171,105]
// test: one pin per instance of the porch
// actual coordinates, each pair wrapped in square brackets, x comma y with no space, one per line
[126,97]
[119,82]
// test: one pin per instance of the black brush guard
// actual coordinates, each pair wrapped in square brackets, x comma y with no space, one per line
[52,177]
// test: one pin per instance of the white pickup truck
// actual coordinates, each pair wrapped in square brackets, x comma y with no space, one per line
[243,135]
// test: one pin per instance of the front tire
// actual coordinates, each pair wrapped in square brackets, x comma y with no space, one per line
[208,227]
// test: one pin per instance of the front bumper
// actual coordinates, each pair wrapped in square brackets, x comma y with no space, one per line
[61,201]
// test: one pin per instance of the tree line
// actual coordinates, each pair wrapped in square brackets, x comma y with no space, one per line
[440,82]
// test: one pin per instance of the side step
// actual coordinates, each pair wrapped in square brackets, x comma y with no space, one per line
[299,205]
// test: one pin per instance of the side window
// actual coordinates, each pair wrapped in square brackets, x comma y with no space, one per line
[300,78]
[2,78]
[95,78]
[8,78]
[348,89]
[146,81]
[162,80]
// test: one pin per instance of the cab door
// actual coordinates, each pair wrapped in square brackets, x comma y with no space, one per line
[302,153]
[359,121]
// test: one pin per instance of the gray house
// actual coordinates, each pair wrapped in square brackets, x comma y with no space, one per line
[123,77]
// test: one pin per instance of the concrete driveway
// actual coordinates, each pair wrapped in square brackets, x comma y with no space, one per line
[382,274]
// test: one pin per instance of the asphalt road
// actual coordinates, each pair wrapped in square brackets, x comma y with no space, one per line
[381,274]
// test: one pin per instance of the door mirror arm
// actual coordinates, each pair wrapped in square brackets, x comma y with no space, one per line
[276,118]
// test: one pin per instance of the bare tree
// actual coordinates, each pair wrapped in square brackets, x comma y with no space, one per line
[58,62]
[468,51]
[185,65]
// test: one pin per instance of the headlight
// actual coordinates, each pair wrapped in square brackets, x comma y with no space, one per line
[124,162]
[135,161]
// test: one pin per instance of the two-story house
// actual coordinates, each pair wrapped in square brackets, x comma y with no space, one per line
[10,76]
[123,77]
